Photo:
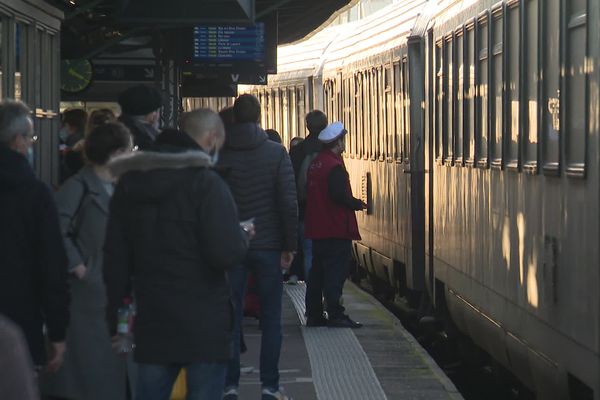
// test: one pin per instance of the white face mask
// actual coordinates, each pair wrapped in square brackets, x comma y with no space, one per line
[30,156]
[214,157]
[63,134]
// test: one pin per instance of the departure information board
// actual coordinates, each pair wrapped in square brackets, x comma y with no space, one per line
[227,43]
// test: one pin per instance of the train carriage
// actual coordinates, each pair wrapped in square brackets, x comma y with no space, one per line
[514,155]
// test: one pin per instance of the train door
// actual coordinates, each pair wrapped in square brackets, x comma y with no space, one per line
[414,167]
[429,143]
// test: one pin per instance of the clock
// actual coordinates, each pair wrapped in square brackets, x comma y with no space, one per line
[76,75]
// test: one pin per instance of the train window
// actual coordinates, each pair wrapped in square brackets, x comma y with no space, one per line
[551,87]
[469,120]
[389,113]
[513,87]
[267,103]
[20,51]
[293,117]
[531,66]
[360,113]
[576,87]
[301,111]
[279,127]
[483,123]
[374,134]
[352,114]
[367,114]
[42,97]
[399,111]
[284,131]
[459,96]
[381,121]
[439,87]
[497,89]
[373,112]
[448,133]
[340,98]
[406,110]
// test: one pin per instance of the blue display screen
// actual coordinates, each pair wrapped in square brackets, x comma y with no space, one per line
[223,43]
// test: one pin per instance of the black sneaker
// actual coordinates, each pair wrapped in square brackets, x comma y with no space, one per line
[311,321]
[343,321]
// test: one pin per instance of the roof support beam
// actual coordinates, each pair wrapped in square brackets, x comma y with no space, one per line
[272,8]
[82,9]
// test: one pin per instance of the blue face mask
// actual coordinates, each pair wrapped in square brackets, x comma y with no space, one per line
[30,157]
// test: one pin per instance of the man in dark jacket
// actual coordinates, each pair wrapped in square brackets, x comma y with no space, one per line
[260,175]
[140,112]
[33,263]
[173,231]
[331,224]
[302,155]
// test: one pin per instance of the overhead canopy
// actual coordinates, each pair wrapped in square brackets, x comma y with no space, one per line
[95,26]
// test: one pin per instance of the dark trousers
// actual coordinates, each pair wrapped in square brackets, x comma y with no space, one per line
[330,268]
[266,267]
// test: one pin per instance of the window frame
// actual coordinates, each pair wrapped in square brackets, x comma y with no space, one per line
[568,23]
[498,50]
[482,158]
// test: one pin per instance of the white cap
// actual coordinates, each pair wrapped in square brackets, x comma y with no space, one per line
[332,132]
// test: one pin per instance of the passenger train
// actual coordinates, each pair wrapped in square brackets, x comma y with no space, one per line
[473,134]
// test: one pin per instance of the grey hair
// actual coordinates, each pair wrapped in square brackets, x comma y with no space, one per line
[199,122]
[14,120]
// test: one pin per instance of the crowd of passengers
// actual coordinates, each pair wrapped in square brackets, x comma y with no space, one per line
[175,219]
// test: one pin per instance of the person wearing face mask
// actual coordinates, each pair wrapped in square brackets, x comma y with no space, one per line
[91,369]
[33,264]
[140,112]
[71,134]
[173,232]
[330,222]
[260,175]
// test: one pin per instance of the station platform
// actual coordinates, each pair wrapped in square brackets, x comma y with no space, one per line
[379,361]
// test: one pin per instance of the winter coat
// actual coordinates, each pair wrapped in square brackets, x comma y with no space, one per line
[83,212]
[33,264]
[143,134]
[261,178]
[173,231]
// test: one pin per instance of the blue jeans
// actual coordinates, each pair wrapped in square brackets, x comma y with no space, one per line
[331,259]
[204,380]
[266,267]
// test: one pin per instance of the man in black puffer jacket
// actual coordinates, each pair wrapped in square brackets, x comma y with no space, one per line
[260,175]
[173,231]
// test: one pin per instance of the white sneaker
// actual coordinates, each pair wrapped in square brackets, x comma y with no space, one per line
[269,394]
[246,369]
[230,393]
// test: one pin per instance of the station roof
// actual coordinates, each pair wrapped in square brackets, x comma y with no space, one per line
[94,26]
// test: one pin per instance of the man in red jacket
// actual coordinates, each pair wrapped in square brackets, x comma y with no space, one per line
[331,223]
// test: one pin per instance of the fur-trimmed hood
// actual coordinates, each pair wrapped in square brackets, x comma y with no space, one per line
[149,160]
[150,177]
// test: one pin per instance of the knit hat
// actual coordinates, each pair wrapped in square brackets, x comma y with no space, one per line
[140,100]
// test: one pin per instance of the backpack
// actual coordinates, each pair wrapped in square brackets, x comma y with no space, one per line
[301,184]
